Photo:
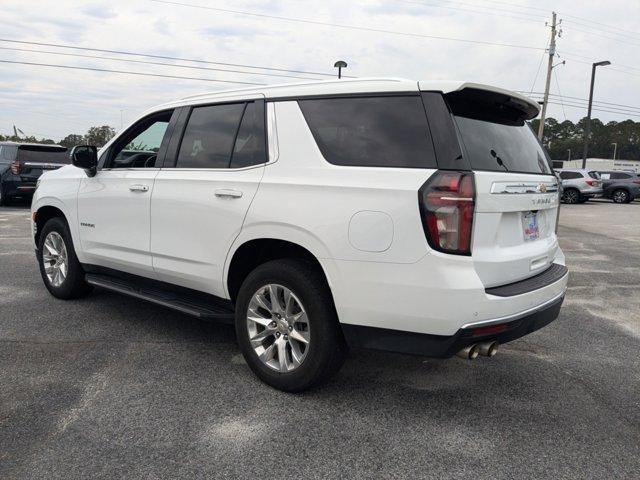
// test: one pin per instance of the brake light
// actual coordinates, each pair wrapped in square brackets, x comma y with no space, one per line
[16,168]
[589,182]
[637,181]
[447,202]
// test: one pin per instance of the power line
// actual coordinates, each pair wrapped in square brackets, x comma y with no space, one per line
[66,54]
[604,36]
[555,75]
[583,107]
[163,57]
[128,72]
[585,100]
[493,12]
[575,103]
[538,71]
[348,27]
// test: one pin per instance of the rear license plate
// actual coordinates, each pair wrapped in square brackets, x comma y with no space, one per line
[530,226]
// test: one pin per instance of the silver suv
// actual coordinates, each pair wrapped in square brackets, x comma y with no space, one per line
[579,185]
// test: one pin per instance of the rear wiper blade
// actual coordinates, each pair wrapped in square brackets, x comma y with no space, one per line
[499,160]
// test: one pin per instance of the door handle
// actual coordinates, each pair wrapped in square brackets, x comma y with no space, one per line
[138,188]
[228,193]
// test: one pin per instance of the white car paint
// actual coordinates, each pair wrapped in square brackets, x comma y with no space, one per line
[181,232]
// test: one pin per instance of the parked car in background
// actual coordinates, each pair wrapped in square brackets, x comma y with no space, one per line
[621,187]
[579,185]
[21,164]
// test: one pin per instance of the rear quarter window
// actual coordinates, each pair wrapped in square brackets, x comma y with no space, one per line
[28,153]
[385,131]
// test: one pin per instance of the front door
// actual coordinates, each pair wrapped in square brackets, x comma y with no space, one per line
[114,206]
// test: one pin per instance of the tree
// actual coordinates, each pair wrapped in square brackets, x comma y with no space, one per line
[98,136]
[72,140]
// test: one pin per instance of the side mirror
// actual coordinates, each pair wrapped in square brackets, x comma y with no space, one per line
[85,157]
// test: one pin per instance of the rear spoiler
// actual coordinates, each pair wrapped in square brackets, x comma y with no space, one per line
[491,103]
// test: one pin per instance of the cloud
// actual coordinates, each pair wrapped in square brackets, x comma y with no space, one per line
[34,97]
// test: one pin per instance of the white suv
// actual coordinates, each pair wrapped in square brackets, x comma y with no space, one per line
[416,217]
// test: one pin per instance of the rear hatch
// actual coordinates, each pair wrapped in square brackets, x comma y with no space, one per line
[33,160]
[516,205]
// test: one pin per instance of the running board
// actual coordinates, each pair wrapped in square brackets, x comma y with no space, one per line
[196,304]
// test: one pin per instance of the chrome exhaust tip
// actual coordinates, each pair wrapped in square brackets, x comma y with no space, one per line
[488,349]
[470,352]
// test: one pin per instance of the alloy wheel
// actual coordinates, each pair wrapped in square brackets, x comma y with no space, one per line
[620,196]
[55,259]
[278,328]
[571,196]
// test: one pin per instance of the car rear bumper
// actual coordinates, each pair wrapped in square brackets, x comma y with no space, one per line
[502,330]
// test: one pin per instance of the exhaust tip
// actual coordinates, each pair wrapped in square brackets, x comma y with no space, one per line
[488,349]
[470,352]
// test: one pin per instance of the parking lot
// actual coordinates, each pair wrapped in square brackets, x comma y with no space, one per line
[108,386]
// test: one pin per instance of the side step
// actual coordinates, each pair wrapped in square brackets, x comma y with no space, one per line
[196,304]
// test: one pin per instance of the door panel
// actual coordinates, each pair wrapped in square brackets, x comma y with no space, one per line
[113,216]
[195,217]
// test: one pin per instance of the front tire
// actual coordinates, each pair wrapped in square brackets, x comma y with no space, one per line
[61,271]
[287,326]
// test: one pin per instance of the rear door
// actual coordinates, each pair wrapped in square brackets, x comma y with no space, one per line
[516,191]
[199,205]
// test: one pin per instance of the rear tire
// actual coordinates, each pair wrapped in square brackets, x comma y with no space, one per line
[61,271]
[277,329]
[620,196]
[571,196]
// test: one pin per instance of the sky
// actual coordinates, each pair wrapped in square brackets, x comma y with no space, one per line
[495,42]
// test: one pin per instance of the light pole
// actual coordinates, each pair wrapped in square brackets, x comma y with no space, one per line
[587,129]
[340,64]
[615,149]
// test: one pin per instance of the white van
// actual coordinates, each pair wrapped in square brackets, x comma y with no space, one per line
[416,217]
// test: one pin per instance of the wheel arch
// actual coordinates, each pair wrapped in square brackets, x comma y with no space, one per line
[252,252]
[42,215]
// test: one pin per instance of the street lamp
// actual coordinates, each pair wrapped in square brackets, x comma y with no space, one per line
[615,149]
[587,130]
[340,64]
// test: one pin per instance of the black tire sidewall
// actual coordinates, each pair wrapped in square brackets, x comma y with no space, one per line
[624,192]
[326,347]
[74,284]
[575,195]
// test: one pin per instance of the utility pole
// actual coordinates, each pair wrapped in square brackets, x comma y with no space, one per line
[552,52]
[615,149]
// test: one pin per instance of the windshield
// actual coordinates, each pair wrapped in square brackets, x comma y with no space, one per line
[42,155]
[502,147]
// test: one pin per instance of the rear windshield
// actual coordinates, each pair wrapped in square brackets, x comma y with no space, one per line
[42,155]
[501,147]
[390,131]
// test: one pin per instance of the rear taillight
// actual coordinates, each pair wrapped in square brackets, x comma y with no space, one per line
[636,181]
[16,168]
[447,201]
[589,182]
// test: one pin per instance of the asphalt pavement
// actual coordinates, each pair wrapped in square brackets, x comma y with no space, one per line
[110,387]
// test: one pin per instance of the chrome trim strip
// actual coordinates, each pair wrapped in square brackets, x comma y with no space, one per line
[525,187]
[516,316]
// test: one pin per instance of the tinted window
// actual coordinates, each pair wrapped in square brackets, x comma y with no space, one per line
[594,175]
[209,135]
[250,148]
[8,153]
[43,154]
[619,175]
[139,146]
[569,175]
[502,147]
[372,132]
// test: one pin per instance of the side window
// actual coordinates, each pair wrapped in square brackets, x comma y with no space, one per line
[209,136]
[139,147]
[249,148]
[390,131]
[618,175]
[8,153]
[569,175]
